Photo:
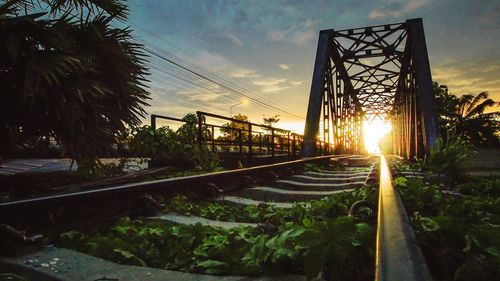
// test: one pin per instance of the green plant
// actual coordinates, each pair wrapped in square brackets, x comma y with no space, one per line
[459,233]
[315,210]
[286,241]
[340,248]
[312,167]
[447,157]
[188,132]
[179,147]
[157,144]
[237,251]
[93,168]
[205,159]
[478,127]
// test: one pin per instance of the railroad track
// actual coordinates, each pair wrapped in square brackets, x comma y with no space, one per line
[279,185]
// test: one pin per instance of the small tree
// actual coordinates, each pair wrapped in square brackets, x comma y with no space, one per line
[231,129]
[445,107]
[270,121]
[447,157]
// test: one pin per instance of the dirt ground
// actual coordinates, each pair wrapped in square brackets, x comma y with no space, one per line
[484,161]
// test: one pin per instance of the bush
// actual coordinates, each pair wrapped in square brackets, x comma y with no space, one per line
[447,157]
[162,143]
[179,147]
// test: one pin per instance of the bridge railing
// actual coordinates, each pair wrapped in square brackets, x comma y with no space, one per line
[245,138]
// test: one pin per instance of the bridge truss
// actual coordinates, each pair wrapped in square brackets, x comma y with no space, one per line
[375,72]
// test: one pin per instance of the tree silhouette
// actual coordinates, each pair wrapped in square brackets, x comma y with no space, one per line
[232,129]
[473,123]
[68,73]
[466,116]
[270,121]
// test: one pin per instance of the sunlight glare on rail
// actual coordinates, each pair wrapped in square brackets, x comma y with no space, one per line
[374,130]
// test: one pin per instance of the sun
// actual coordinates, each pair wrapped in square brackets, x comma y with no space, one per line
[374,130]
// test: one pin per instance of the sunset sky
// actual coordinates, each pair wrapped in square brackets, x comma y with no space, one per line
[268,48]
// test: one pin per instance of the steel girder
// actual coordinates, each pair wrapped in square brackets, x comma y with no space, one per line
[367,73]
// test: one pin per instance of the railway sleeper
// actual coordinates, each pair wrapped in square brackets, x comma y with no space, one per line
[302,186]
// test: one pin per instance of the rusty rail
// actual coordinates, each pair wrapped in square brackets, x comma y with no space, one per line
[197,181]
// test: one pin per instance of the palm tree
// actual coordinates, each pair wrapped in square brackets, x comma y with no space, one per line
[473,123]
[68,73]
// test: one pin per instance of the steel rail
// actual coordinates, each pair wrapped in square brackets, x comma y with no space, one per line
[397,256]
[156,185]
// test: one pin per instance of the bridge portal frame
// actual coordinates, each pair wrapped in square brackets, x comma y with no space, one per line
[342,100]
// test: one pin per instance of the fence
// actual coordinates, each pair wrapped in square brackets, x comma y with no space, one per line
[245,138]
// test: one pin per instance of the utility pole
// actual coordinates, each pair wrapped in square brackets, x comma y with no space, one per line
[231,108]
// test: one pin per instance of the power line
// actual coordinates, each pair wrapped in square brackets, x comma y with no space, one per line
[216,76]
[218,83]
[184,80]
[234,88]
[192,65]
[183,83]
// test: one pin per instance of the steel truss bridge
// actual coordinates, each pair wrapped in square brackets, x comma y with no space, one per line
[374,72]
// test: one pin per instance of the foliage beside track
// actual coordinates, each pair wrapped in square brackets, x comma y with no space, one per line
[301,240]
[327,207]
[458,227]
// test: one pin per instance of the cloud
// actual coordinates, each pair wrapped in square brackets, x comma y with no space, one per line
[307,33]
[212,61]
[244,73]
[299,34]
[285,66]
[469,77]
[377,14]
[200,95]
[397,9]
[271,84]
[296,83]
[274,88]
[491,20]
[268,81]
[304,36]
[232,38]
[217,63]
[276,35]
[169,109]
[164,104]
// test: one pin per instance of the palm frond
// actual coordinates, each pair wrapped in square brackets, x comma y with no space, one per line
[479,109]
[462,104]
[10,6]
[115,8]
[79,81]
[477,98]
